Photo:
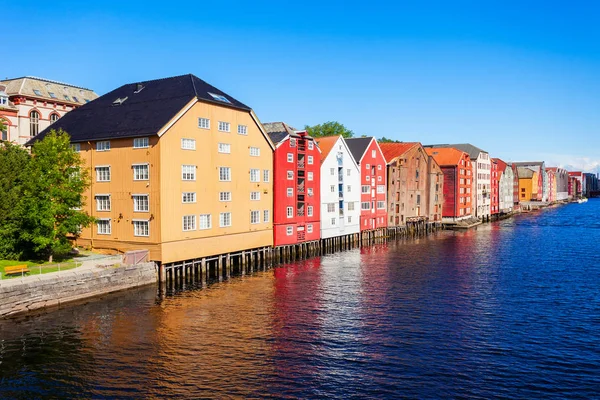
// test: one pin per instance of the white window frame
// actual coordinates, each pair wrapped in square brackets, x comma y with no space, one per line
[224,148]
[255,217]
[309,211]
[103,145]
[203,123]
[204,221]
[224,196]
[224,219]
[266,175]
[290,192]
[188,223]
[254,175]
[290,212]
[188,172]
[290,157]
[254,196]
[309,227]
[266,216]
[255,151]
[138,201]
[224,126]
[224,174]
[138,224]
[188,195]
[289,231]
[311,145]
[108,224]
[310,159]
[188,144]
[290,175]
[141,143]
[242,130]
[137,176]
[104,200]
[309,176]
[330,207]
[99,168]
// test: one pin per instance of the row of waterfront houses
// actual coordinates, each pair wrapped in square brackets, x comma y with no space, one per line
[186,171]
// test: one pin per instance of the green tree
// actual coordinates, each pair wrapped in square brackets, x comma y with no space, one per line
[331,128]
[50,209]
[14,161]
[386,140]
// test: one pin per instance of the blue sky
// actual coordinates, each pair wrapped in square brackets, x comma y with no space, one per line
[518,79]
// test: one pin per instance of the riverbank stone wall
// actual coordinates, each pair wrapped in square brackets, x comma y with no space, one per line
[19,295]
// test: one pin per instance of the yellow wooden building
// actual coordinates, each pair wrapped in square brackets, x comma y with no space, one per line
[178,167]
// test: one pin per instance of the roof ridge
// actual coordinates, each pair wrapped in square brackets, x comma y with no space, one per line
[45,80]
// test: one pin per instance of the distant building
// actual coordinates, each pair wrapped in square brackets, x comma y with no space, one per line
[577,190]
[505,177]
[495,192]
[457,171]
[541,189]
[179,168]
[373,175]
[415,184]
[29,105]
[297,200]
[530,184]
[591,183]
[552,185]
[482,181]
[562,182]
[340,189]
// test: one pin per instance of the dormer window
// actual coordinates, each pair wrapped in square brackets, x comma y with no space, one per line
[219,97]
[3,100]
[52,95]
[37,92]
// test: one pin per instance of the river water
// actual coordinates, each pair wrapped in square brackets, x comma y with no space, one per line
[509,310]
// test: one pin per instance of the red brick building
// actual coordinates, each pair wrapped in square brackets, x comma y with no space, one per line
[296,187]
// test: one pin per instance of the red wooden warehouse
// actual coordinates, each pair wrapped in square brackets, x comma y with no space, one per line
[373,178]
[296,185]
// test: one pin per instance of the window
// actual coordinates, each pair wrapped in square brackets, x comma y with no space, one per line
[188,172]
[380,188]
[141,143]
[309,227]
[188,197]
[188,144]
[254,151]
[225,219]
[34,121]
[290,192]
[141,172]
[103,146]
[381,205]
[254,217]
[224,148]
[141,228]
[54,118]
[224,126]
[365,205]
[368,178]
[417,174]
[103,226]
[309,176]
[289,230]
[103,174]
[219,97]
[309,191]
[204,123]
[368,167]
[350,206]
[379,167]
[255,175]
[330,207]
[224,196]
[254,195]
[266,216]
[332,171]
[37,92]
[365,189]
[309,211]
[52,95]
[141,203]
[290,175]
[75,146]
[67,97]
[349,188]
[379,179]
[349,218]
[205,221]
[332,221]
[189,223]
[102,202]
[292,142]
[348,172]
[332,187]
[373,154]
[290,157]
[242,130]
[310,159]
[311,145]
[225,174]
[290,212]
[266,175]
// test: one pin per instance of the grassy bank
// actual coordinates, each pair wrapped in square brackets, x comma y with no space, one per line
[38,267]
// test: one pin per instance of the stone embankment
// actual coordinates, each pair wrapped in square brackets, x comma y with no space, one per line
[20,295]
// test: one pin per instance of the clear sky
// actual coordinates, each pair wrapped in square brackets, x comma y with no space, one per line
[516,78]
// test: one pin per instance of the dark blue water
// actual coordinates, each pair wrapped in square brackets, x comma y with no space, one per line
[510,310]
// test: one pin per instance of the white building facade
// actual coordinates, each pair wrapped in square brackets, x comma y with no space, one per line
[340,209]
[29,105]
[506,190]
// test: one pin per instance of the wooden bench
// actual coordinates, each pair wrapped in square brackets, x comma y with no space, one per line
[16,269]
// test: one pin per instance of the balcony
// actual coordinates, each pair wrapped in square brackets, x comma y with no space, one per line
[301,163]
[300,212]
[341,195]
[300,188]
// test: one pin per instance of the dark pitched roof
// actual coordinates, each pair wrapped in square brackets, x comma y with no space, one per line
[473,151]
[358,146]
[278,131]
[143,113]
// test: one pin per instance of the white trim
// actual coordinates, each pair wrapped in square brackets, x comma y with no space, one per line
[177,117]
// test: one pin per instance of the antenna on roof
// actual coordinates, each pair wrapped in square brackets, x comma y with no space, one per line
[138,88]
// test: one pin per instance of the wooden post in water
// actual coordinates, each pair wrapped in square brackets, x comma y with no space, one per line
[203,271]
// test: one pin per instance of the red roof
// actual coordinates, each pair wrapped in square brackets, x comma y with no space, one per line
[393,150]
[501,164]
[445,156]
[326,144]
[575,173]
